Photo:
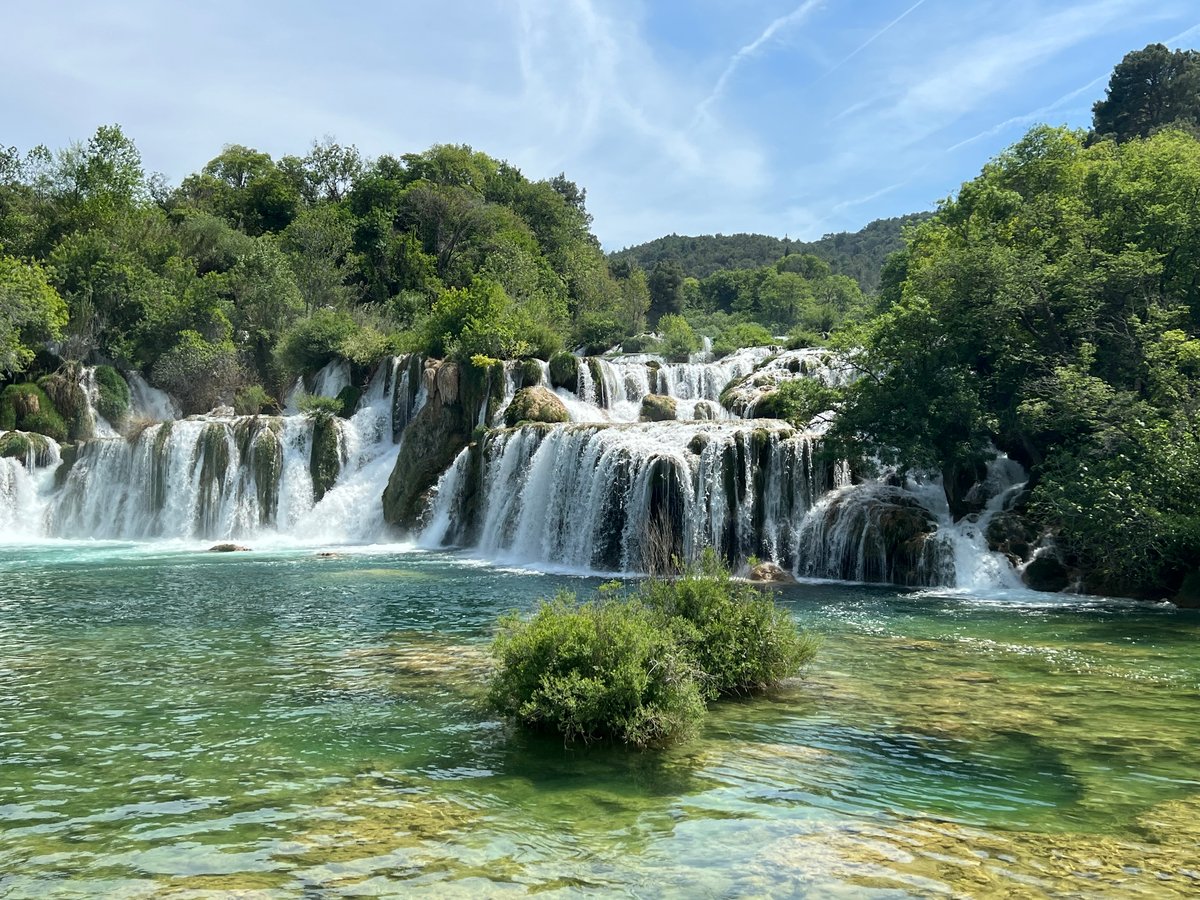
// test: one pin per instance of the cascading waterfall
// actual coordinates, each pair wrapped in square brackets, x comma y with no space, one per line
[603,492]
[25,481]
[220,477]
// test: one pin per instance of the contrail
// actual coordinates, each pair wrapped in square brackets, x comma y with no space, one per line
[795,17]
[869,41]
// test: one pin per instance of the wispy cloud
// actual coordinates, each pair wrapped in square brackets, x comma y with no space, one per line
[795,17]
[1038,115]
[869,41]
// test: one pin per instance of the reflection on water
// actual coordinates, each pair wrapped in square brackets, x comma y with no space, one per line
[283,725]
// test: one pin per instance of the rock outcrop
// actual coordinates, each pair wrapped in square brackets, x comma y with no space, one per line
[658,408]
[536,404]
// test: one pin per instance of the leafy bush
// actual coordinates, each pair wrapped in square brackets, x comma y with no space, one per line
[251,400]
[597,671]
[311,343]
[641,343]
[113,402]
[25,407]
[742,334]
[597,333]
[637,669]
[741,640]
[678,338]
[199,372]
[321,407]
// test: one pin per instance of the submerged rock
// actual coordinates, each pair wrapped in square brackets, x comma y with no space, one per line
[227,548]
[536,404]
[658,408]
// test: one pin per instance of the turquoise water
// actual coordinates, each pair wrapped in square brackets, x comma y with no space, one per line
[280,725]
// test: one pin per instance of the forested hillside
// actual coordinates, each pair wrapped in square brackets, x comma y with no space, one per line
[859,254]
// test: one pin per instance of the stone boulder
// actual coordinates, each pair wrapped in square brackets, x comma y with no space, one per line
[432,440]
[228,548]
[1045,573]
[536,404]
[658,408]
[769,573]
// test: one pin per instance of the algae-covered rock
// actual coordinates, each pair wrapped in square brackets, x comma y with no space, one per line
[529,372]
[432,440]
[26,448]
[26,407]
[706,411]
[349,397]
[325,462]
[658,408]
[228,548]
[564,371]
[536,404]
[69,398]
[112,401]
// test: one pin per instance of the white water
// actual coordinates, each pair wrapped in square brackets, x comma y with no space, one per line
[149,404]
[219,477]
[602,493]
[25,485]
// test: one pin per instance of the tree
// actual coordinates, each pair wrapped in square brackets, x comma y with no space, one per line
[317,243]
[1150,89]
[31,311]
[666,290]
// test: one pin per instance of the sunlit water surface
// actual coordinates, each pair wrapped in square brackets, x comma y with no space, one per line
[177,723]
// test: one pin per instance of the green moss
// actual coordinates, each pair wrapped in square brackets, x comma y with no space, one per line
[530,373]
[25,447]
[266,460]
[113,399]
[325,462]
[535,404]
[69,399]
[658,408]
[564,371]
[349,397]
[26,407]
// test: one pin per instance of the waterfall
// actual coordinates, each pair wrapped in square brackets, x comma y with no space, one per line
[629,497]
[221,477]
[149,404]
[24,484]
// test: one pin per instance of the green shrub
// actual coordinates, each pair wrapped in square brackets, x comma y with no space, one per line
[596,671]
[311,343]
[743,334]
[741,640]
[637,669]
[64,391]
[251,400]
[543,341]
[678,338]
[641,343]
[320,407]
[113,402]
[199,372]
[597,333]
[25,407]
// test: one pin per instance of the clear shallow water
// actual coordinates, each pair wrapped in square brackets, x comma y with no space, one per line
[187,724]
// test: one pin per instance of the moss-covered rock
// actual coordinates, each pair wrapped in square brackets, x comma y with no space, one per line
[706,411]
[112,400]
[529,373]
[1188,596]
[657,408]
[325,461]
[27,448]
[535,404]
[349,397]
[69,398]
[26,407]
[564,371]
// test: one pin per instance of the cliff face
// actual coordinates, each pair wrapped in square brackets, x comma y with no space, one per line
[431,441]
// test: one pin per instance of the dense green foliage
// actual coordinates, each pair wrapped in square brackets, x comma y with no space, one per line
[255,270]
[1151,89]
[860,254]
[25,407]
[637,669]
[1052,310]
[113,402]
[605,670]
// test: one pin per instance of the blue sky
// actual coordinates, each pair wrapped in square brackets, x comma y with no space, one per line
[787,117]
